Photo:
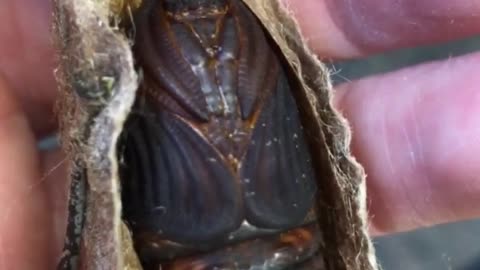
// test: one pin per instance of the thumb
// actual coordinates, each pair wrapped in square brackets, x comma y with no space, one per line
[25,222]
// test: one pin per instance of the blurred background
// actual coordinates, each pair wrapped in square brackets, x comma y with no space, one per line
[445,247]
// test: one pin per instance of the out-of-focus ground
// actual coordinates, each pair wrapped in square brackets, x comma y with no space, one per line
[445,247]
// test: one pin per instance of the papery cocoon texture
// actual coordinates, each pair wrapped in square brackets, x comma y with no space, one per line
[98,84]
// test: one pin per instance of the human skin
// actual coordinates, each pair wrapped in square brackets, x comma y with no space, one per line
[415,130]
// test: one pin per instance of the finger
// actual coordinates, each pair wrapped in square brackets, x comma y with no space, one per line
[417,132]
[335,29]
[346,28]
[25,223]
[56,183]
[26,58]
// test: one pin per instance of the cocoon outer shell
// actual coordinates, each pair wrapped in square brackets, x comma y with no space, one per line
[98,83]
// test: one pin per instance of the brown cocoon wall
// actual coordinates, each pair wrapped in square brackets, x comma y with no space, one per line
[98,83]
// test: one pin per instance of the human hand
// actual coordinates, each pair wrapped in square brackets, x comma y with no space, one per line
[32,186]
[415,130]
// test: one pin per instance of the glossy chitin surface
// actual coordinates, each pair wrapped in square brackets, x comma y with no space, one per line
[214,141]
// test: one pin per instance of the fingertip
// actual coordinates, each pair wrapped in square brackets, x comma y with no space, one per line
[416,133]
[341,29]
[381,25]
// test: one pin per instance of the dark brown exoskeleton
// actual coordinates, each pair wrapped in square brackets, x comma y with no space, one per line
[215,167]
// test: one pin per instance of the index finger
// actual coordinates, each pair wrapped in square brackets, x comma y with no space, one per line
[334,29]
[353,28]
